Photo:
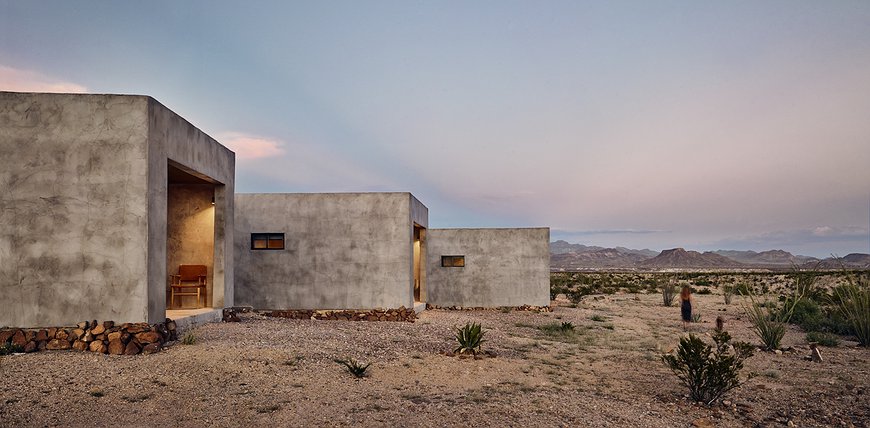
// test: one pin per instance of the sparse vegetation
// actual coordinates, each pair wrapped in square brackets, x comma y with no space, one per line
[707,372]
[728,293]
[189,339]
[769,319]
[853,303]
[696,317]
[822,338]
[470,338]
[354,367]
[10,348]
[669,293]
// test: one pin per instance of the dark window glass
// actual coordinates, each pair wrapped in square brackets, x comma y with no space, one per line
[453,261]
[267,241]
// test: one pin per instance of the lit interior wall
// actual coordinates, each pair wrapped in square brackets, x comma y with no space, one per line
[190,234]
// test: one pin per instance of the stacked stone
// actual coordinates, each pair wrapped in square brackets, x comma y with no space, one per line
[102,338]
[528,308]
[401,314]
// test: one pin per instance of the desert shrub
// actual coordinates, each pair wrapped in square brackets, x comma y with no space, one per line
[469,337]
[696,317]
[704,291]
[824,339]
[707,372]
[853,303]
[10,348]
[567,326]
[669,293]
[576,295]
[189,338]
[354,367]
[598,318]
[728,293]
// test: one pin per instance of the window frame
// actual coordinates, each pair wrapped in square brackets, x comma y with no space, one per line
[453,259]
[269,237]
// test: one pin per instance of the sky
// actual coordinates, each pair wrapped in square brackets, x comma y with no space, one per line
[647,124]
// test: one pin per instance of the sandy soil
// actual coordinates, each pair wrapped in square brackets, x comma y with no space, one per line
[277,372]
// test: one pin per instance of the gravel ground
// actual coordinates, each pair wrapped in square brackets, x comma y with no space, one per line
[278,372]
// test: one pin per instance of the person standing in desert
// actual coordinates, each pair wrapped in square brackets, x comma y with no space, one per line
[686,306]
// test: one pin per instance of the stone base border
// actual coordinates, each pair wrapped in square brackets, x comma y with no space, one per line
[401,314]
[527,308]
[102,338]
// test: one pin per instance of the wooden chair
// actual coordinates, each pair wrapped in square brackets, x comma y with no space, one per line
[190,281]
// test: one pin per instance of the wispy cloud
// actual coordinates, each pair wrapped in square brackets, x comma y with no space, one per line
[297,164]
[249,147]
[19,80]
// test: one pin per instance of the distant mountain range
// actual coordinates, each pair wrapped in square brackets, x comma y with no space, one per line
[567,256]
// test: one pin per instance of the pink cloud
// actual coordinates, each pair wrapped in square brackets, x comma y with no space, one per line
[249,147]
[18,80]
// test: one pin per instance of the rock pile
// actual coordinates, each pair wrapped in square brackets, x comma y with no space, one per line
[529,308]
[102,338]
[400,314]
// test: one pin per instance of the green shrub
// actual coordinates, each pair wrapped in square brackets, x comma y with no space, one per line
[824,339]
[10,348]
[567,326]
[709,373]
[469,337]
[704,291]
[189,339]
[354,367]
[696,317]
[598,318]
[853,303]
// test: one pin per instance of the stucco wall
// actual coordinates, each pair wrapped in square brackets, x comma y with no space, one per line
[83,206]
[342,251]
[172,138]
[503,267]
[190,238]
[73,208]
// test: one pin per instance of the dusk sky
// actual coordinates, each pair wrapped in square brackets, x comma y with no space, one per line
[646,124]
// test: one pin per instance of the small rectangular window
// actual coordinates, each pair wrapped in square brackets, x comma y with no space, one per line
[267,241]
[452,261]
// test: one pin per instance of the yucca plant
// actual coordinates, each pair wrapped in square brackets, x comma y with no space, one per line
[853,303]
[470,337]
[567,326]
[669,293]
[769,320]
[354,367]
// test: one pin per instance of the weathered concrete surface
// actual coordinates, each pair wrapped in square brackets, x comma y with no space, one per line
[190,234]
[171,138]
[342,250]
[83,202]
[503,267]
[73,211]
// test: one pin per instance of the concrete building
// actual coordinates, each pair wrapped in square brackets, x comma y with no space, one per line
[101,197]
[330,250]
[488,267]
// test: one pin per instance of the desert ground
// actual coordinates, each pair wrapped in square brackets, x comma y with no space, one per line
[279,372]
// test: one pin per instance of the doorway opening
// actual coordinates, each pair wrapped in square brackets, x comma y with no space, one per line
[190,240]
[419,260]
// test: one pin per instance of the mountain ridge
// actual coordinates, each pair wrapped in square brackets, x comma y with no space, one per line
[568,256]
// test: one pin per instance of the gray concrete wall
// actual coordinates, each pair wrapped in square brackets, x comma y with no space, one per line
[83,206]
[503,267]
[342,250]
[171,138]
[73,210]
[190,237]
